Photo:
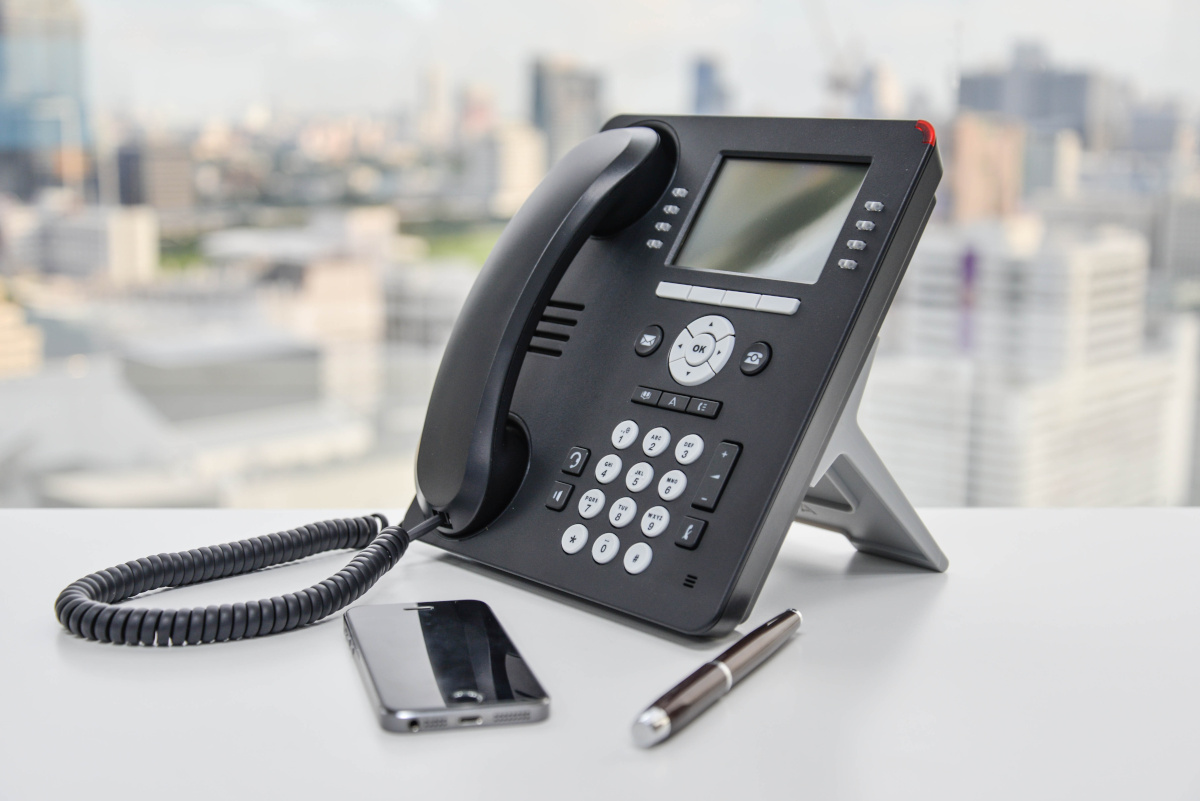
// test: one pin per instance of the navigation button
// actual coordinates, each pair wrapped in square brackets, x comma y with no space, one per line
[713,324]
[690,532]
[648,341]
[701,349]
[689,376]
[712,483]
[681,347]
[721,353]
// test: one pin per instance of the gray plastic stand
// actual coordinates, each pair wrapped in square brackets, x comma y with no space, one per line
[854,494]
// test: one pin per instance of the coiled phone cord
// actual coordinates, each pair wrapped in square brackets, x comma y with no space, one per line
[87,609]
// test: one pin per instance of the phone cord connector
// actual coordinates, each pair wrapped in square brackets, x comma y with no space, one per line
[87,607]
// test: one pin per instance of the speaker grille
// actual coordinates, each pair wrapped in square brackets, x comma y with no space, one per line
[689,581]
[510,717]
[554,328]
[433,723]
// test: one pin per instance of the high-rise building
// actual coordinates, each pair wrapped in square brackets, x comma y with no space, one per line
[156,174]
[986,166]
[566,105]
[711,95]
[1049,391]
[1034,91]
[44,136]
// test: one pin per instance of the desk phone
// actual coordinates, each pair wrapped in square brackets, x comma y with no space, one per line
[659,366]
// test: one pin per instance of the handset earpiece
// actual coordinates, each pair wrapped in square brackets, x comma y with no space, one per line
[472,457]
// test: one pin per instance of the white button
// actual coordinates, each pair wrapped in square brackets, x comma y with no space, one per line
[681,346]
[624,435]
[591,504]
[604,550]
[713,324]
[661,226]
[679,191]
[701,349]
[721,353]
[865,225]
[622,512]
[656,441]
[670,209]
[638,558]
[689,376]
[639,477]
[873,205]
[655,521]
[574,538]
[777,305]
[654,244]
[689,449]
[673,291]
[671,485]
[608,469]
[706,294]
[856,244]
[847,264]
[740,300]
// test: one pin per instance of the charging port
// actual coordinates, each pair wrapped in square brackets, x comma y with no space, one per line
[473,720]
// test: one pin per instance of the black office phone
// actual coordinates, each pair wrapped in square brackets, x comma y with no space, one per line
[659,365]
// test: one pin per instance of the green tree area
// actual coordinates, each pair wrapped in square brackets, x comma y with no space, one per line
[179,253]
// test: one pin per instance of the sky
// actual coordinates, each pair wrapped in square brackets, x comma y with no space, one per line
[181,63]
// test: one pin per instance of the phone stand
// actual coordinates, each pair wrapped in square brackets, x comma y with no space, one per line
[854,494]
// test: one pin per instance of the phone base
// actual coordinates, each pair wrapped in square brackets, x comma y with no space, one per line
[854,494]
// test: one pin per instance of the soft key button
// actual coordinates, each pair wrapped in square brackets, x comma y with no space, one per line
[622,512]
[671,291]
[639,477]
[740,300]
[706,294]
[624,435]
[777,305]
[656,441]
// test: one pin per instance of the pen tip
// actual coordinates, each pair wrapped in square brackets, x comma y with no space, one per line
[652,727]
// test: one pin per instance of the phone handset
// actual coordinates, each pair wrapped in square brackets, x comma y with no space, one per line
[472,457]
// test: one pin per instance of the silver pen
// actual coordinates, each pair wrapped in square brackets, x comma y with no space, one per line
[684,702]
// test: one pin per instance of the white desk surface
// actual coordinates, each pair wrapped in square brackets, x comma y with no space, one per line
[1058,658]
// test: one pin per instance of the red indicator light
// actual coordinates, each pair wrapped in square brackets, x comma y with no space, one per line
[927,131]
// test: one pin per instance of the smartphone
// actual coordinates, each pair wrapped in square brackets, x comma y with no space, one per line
[442,665]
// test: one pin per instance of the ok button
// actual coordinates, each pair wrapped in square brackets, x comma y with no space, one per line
[701,349]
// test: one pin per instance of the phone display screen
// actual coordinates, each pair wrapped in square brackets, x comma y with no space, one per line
[778,219]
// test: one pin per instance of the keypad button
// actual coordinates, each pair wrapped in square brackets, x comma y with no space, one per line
[576,461]
[624,435]
[591,504]
[639,477]
[648,341]
[672,485]
[689,449]
[638,558]
[713,324]
[688,376]
[646,396]
[560,494]
[622,512]
[690,532]
[655,521]
[605,548]
[656,441]
[670,400]
[702,407]
[608,468]
[574,538]
[712,483]
[756,358]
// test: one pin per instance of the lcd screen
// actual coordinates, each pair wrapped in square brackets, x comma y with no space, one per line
[777,219]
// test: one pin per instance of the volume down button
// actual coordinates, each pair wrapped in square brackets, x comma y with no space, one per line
[712,483]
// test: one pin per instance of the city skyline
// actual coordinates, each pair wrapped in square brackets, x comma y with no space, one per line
[184,64]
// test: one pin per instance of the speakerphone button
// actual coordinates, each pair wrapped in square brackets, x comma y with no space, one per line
[690,532]
[638,558]
[574,538]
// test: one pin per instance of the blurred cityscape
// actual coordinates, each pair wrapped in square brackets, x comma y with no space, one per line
[250,311]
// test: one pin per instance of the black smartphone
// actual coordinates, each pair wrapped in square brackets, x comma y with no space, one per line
[442,665]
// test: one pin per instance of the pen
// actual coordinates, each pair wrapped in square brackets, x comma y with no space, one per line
[684,702]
